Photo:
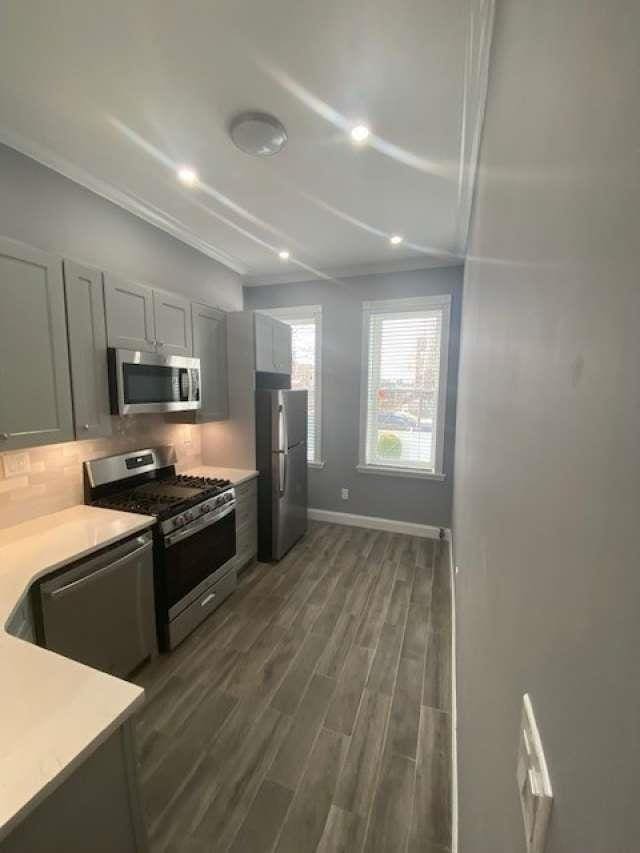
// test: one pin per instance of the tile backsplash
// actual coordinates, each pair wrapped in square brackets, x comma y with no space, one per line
[51,480]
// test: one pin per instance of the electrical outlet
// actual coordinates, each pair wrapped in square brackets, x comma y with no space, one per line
[345,494]
[534,784]
[16,464]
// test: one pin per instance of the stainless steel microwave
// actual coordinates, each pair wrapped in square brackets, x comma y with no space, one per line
[143,382]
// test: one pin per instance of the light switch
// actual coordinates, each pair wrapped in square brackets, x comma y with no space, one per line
[16,464]
[534,784]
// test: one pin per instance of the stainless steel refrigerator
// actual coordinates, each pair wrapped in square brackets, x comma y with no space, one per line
[281,458]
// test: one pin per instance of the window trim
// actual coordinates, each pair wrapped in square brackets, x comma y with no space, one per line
[304,312]
[398,306]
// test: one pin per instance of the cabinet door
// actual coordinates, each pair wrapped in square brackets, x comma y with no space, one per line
[129,314]
[281,347]
[173,323]
[210,346]
[264,343]
[87,350]
[35,390]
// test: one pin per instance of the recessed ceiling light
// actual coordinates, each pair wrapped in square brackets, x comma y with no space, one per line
[283,255]
[396,240]
[360,133]
[187,175]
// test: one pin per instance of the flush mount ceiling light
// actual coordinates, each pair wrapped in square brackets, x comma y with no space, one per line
[258,134]
[360,133]
[396,240]
[188,175]
[284,255]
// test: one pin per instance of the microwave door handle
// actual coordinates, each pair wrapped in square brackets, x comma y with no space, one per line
[184,384]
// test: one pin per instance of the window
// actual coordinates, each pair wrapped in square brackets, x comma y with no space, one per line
[306,337]
[404,374]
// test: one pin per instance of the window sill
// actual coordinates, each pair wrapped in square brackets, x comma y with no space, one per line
[315,464]
[389,471]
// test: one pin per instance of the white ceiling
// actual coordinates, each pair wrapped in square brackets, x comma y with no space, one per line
[117,94]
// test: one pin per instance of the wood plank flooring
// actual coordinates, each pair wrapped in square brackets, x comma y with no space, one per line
[311,712]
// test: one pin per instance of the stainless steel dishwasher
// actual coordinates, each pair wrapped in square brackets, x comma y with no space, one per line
[100,611]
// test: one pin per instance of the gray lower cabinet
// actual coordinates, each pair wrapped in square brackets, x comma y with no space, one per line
[87,350]
[96,808]
[172,316]
[130,315]
[35,388]
[210,346]
[246,523]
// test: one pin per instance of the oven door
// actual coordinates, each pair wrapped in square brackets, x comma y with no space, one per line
[196,556]
[143,382]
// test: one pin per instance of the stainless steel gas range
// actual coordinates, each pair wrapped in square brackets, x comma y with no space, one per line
[194,538]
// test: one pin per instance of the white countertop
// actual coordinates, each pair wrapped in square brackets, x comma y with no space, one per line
[236,475]
[53,711]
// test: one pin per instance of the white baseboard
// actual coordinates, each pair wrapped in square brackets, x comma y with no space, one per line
[454,705]
[426,531]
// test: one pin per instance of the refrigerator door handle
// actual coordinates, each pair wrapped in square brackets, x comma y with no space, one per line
[283,438]
[283,442]
[284,459]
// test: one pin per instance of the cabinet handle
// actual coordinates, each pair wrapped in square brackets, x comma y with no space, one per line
[206,600]
[86,426]
[4,435]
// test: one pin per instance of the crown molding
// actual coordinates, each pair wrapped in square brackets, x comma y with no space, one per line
[380,268]
[149,213]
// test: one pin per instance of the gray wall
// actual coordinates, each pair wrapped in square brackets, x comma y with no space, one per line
[400,498]
[547,486]
[40,207]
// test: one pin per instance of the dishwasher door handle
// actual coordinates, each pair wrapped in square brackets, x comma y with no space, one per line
[111,567]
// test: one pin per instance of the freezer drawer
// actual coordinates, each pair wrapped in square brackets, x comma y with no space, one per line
[101,611]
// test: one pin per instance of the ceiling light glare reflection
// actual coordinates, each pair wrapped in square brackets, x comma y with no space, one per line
[188,175]
[360,133]
[396,240]
[284,255]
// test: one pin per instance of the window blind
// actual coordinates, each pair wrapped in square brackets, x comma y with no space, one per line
[405,341]
[305,369]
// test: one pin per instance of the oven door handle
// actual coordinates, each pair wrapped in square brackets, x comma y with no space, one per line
[198,525]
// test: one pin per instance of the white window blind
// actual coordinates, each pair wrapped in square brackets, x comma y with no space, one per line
[305,322]
[405,345]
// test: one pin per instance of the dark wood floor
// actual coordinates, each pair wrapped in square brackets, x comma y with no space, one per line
[311,711]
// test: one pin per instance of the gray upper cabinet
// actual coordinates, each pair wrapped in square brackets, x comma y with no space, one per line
[87,350]
[281,347]
[210,346]
[172,315]
[264,343]
[35,389]
[130,321]
[273,344]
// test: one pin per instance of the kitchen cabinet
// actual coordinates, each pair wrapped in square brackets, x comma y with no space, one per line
[272,344]
[87,350]
[246,523]
[35,386]
[96,807]
[210,346]
[281,347]
[172,321]
[130,321]
[140,317]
